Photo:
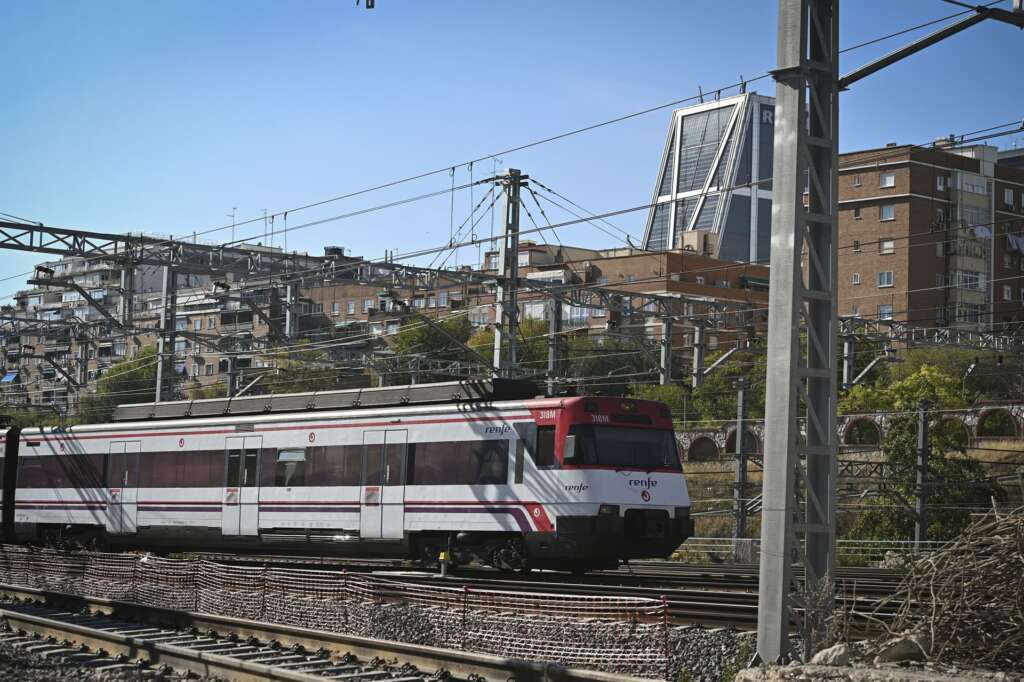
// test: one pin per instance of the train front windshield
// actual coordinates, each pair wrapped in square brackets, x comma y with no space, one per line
[626,447]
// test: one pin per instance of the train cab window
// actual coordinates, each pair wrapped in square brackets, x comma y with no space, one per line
[290,469]
[544,454]
[626,447]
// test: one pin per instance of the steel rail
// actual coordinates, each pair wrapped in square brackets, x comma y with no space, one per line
[246,650]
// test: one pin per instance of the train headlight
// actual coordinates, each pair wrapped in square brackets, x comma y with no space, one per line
[608,510]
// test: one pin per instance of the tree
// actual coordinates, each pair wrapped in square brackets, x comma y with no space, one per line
[716,398]
[606,365]
[956,486]
[131,381]
[673,395]
[957,483]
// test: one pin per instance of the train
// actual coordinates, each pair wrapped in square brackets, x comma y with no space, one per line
[485,472]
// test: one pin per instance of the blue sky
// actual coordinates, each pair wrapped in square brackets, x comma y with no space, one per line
[162,117]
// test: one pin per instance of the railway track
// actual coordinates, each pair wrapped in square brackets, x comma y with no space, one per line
[659,576]
[118,635]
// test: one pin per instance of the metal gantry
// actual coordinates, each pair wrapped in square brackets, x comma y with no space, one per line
[800,439]
[800,412]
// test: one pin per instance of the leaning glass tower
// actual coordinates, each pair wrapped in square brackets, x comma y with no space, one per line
[714,189]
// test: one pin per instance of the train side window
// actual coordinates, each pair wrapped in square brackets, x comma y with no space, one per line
[373,469]
[290,469]
[544,455]
[520,460]
[393,463]
[234,467]
[252,456]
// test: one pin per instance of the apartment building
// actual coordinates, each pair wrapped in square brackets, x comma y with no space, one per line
[932,237]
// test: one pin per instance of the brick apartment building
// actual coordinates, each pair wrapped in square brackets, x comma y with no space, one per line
[932,237]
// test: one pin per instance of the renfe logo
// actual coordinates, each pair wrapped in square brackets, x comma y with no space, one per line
[504,428]
[646,483]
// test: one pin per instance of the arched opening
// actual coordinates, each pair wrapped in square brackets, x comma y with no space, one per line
[751,445]
[953,431]
[702,449]
[862,432]
[997,423]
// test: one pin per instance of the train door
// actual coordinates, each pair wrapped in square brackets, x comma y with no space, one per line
[240,505]
[123,479]
[382,499]
[392,524]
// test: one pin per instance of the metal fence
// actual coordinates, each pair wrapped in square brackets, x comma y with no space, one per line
[617,634]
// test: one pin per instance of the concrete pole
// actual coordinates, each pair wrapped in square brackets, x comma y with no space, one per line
[168,323]
[698,355]
[554,343]
[289,310]
[923,452]
[506,313]
[800,415]
[665,368]
[848,366]
[739,492]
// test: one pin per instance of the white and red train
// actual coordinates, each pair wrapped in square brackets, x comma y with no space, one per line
[571,483]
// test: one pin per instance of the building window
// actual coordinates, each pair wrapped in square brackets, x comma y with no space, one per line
[432,301]
[885,278]
[1007,292]
[197,325]
[940,314]
[1008,198]
[336,308]
[723,283]
[887,212]
[940,280]
[940,183]
[209,369]
[195,370]
[367,305]
[857,180]
[856,246]
[351,309]
[699,279]
[856,278]
[524,260]
[210,322]
[886,246]
[855,310]
[856,212]
[887,180]
[967,279]
[442,298]
[885,311]
[975,215]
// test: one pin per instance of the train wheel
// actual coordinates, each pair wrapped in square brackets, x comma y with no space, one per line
[510,557]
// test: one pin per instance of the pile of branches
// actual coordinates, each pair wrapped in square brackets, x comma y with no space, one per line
[966,600]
